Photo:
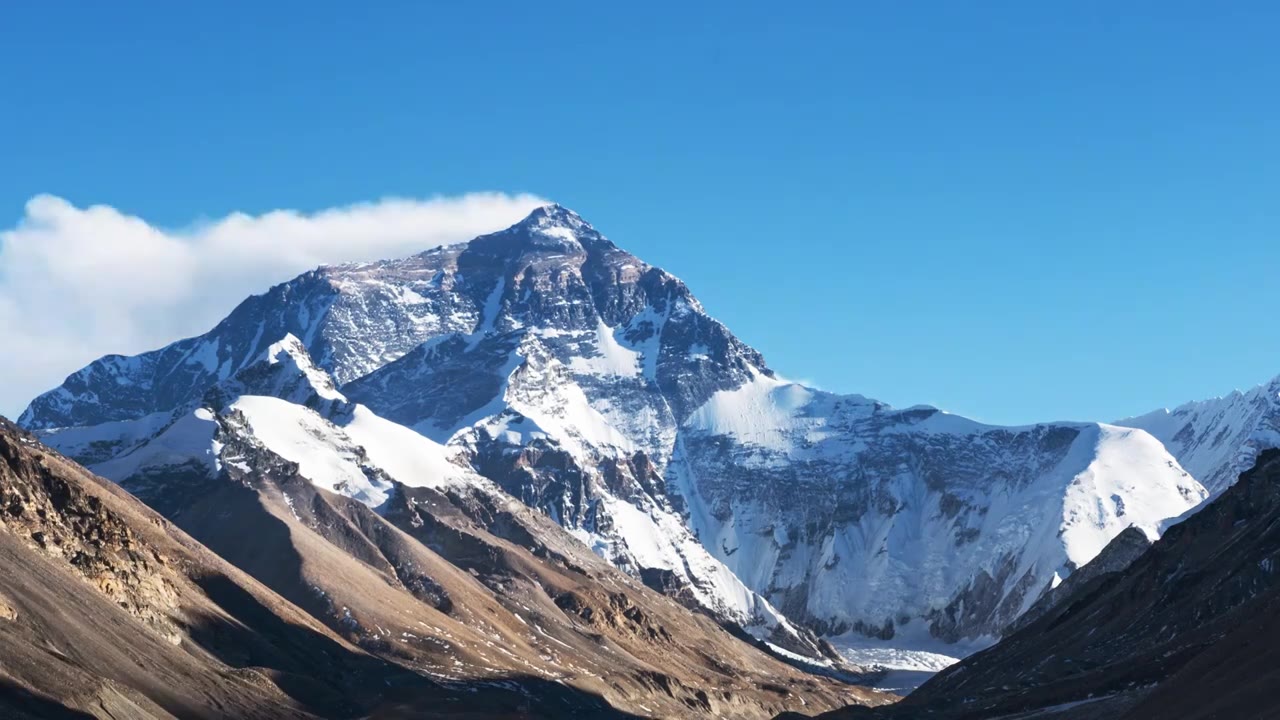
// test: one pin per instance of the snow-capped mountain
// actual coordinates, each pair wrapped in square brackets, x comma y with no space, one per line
[285,405]
[1216,440]
[852,514]
[548,363]
[1184,628]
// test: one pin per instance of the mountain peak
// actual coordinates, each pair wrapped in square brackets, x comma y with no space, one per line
[289,345]
[553,215]
[285,370]
[549,227]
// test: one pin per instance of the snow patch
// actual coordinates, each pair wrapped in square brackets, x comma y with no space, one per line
[324,455]
[760,412]
[1115,491]
[611,358]
[189,437]
[909,659]
[402,453]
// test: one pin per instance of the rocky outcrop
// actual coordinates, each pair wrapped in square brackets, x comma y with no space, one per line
[58,518]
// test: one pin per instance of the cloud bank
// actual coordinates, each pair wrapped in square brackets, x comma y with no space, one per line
[79,283]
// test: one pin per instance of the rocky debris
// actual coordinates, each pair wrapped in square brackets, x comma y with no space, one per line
[99,592]
[464,582]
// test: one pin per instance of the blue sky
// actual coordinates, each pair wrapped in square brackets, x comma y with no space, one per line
[1019,211]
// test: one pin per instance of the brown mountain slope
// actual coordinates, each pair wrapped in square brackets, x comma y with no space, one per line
[470,586]
[458,605]
[103,605]
[1189,630]
[107,610]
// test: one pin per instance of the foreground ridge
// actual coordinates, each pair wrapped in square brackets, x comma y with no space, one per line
[329,610]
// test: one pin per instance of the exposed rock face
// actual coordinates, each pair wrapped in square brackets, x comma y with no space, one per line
[552,270]
[595,388]
[853,515]
[63,522]
[1187,630]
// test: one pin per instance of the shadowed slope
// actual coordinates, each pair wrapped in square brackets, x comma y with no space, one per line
[468,586]
[107,610]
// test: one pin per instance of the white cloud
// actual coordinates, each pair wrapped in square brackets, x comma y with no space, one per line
[78,283]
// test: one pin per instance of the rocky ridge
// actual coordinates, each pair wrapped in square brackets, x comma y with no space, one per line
[1217,439]
[110,609]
